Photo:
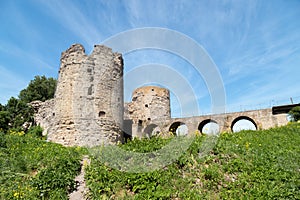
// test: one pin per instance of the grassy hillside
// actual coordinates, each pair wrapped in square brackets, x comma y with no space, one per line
[32,168]
[245,165]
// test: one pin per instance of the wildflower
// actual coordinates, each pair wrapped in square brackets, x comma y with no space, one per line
[197,133]
[85,163]
[78,148]
[247,145]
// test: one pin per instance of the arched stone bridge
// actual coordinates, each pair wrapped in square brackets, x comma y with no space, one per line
[261,119]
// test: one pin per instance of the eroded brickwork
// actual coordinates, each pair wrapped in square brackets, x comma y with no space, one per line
[88,103]
[150,104]
[88,108]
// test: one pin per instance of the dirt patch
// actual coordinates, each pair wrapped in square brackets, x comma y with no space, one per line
[81,190]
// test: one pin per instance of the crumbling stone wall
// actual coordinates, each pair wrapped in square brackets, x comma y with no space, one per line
[88,102]
[44,114]
[88,107]
[149,105]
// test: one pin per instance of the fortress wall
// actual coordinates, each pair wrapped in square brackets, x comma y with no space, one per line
[89,110]
[150,104]
[89,98]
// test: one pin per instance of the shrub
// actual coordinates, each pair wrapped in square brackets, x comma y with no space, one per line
[35,131]
[295,113]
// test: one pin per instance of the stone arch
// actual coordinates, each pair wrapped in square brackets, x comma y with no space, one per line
[241,118]
[152,129]
[205,122]
[174,126]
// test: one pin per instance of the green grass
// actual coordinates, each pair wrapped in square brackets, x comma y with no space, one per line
[245,165]
[32,168]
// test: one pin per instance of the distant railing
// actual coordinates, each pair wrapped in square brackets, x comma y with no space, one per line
[230,108]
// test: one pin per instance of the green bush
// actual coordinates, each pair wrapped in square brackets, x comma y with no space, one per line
[14,114]
[35,131]
[295,113]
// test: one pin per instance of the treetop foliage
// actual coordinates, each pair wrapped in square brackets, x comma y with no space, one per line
[41,88]
[17,111]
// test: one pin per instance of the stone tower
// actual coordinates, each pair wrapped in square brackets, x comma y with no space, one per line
[88,103]
[150,105]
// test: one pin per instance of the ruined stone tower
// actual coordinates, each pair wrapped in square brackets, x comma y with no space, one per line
[88,103]
[149,105]
[88,107]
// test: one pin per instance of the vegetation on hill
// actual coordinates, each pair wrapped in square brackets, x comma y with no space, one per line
[245,165]
[32,168]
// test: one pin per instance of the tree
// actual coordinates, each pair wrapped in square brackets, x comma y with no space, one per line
[4,120]
[295,113]
[19,112]
[41,88]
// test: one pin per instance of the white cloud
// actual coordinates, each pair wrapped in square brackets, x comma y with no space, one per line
[71,16]
[255,44]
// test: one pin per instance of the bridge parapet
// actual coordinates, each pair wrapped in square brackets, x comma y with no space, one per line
[149,113]
[262,119]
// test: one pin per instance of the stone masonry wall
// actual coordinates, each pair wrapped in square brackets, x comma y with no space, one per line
[44,114]
[88,106]
[150,104]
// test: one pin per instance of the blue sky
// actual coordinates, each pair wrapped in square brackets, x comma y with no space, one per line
[254,44]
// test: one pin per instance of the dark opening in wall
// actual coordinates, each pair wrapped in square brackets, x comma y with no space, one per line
[53,114]
[134,98]
[151,130]
[140,124]
[127,128]
[149,119]
[101,114]
[90,90]
[146,105]
[152,89]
